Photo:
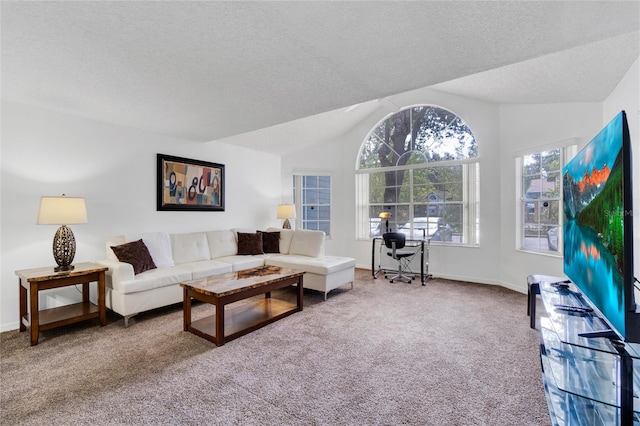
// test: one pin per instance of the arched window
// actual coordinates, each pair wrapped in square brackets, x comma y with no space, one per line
[421,165]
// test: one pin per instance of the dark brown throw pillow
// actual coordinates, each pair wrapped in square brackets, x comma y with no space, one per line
[137,254]
[270,241]
[249,243]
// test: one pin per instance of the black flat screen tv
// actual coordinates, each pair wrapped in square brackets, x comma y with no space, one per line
[598,227]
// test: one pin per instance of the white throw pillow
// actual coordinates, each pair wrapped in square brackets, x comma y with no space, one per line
[159,245]
[191,247]
[307,243]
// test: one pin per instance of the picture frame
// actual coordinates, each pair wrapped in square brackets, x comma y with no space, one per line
[184,184]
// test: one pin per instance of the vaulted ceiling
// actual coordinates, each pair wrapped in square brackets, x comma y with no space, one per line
[208,71]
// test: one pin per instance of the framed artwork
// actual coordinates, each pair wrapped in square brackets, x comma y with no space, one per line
[189,185]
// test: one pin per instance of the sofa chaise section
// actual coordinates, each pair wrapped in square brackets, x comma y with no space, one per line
[323,273]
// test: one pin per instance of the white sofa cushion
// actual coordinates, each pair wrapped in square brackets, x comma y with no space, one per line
[222,243]
[206,268]
[325,265]
[307,243]
[243,230]
[151,279]
[240,263]
[159,245]
[191,247]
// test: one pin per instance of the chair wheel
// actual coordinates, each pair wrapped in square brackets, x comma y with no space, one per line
[391,281]
[409,282]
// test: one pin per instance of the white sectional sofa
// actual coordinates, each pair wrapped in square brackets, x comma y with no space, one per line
[183,257]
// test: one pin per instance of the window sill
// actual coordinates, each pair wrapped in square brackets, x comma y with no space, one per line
[555,254]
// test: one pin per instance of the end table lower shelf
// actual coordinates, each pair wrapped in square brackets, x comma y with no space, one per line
[64,315]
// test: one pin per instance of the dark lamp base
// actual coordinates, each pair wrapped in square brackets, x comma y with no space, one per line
[64,248]
[64,268]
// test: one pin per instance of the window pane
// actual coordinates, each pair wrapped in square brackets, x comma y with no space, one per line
[551,185]
[310,213]
[311,225]
[324,196]
[549,212]
[551,233]
[531,164]
[324,212]
[531,242]
[421,192]
[324,181]
[404,194]
[453,192]
[530,212]
[550,161]
[324,226]
[532,185]
[310,181]
[452,214]
[310,196]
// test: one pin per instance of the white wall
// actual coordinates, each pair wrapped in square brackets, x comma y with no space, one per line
[532,127]
[502,132]
[339,158]
[524,127]
[114,168]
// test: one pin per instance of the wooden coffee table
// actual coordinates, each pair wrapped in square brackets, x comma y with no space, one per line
[221,290]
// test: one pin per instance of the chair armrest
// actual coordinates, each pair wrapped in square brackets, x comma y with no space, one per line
[118,271]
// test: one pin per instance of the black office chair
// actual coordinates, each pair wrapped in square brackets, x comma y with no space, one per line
[396,241]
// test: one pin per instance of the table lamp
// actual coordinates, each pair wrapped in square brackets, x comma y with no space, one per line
[386,216]
[63,211]
[286,212]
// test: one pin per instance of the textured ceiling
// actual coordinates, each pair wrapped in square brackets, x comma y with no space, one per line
[211,70]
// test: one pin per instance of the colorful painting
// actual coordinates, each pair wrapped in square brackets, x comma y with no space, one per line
[185,184]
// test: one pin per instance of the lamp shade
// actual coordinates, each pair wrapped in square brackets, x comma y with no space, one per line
[286,211]
[385,215]
[62,210]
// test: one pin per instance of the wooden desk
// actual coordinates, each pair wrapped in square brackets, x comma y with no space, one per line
[46,278]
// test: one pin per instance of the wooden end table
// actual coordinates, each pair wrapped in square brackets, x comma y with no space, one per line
[32,281]
[221,290]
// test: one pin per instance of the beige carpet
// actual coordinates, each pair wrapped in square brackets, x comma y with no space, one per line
[448,353]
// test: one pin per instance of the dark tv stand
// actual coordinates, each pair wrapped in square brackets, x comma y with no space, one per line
[588,374]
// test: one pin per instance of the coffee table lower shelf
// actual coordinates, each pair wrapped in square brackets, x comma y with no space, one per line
[241,320]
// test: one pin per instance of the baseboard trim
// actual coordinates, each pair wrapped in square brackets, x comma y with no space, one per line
[10,326]
[511,286]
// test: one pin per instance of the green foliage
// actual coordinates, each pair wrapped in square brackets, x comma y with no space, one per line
[426,133]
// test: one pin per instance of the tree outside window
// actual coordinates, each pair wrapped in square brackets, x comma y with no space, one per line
[421,166]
